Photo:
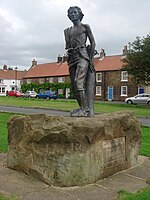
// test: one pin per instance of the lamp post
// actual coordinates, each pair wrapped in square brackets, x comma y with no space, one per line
[16,78]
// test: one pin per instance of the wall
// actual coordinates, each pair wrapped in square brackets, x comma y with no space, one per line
[113,79]
[109,78]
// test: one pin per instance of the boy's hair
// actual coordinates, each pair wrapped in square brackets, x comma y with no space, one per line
[79,10]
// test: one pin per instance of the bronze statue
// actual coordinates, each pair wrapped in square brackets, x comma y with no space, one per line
[80,61]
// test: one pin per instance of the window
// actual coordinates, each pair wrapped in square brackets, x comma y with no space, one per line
[123,90]
[124,76]
[41,80]
[51,80]
[28,81]
[1,81]
[60,91]
[61,79]
[99,77]
[2,89]
[98,90]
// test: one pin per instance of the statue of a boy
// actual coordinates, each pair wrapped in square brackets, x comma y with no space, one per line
[80,61]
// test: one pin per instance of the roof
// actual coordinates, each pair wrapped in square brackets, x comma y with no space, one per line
[108,63]
[48,69]
[11,74]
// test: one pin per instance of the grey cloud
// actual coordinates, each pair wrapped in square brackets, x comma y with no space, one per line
[36,27]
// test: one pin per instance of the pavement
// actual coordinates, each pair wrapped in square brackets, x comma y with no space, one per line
[28,188]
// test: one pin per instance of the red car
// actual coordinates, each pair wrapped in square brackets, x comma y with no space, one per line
[15,93]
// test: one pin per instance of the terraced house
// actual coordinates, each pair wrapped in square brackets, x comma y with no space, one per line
[10,79]
[111,82]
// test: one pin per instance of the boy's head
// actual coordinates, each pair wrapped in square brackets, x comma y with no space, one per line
[76,10]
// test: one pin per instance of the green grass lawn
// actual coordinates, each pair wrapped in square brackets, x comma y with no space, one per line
[4,117]
[100,107]
[139,110]
[145,147]
[143,194]
[8,197]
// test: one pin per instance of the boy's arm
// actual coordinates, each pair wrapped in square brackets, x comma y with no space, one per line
[92,41]
[66,33]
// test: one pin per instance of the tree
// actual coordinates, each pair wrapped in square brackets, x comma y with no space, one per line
[137,60]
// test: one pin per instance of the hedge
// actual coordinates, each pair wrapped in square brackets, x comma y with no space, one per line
[48,86]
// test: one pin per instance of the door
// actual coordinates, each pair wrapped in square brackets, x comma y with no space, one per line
[67,93]
[141,90]
[110,93]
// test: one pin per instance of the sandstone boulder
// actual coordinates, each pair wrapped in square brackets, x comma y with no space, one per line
[67,151]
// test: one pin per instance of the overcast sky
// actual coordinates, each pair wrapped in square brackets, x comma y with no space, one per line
[33,29]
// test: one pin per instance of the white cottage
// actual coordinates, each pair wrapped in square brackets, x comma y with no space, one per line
[10,79]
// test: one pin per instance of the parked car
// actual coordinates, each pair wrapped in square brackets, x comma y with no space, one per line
[15,93]
[47,94]
[30,94]
[139,99]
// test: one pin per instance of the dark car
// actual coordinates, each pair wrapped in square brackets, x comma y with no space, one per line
[48,94]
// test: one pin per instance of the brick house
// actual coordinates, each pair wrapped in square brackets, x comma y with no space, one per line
[111,82]
[10,79]
[48,72]
[56,72]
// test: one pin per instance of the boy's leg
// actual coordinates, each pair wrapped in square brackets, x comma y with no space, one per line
[90,92]
[80,81]
[72,73]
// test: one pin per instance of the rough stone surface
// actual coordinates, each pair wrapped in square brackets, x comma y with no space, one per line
[67,151]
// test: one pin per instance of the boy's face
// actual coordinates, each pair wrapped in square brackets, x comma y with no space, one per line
[74,14]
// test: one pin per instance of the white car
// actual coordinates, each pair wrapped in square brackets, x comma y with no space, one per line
[139,99]
[30,94]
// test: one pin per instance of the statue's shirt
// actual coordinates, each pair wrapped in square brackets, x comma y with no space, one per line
[76,37]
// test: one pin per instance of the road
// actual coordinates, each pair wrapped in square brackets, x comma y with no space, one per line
[27,110]
[24,110]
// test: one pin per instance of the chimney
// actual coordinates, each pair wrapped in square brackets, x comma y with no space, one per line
[125,50]
[5,67]
[59,59]
[34,62]
[65,58]
[102,54]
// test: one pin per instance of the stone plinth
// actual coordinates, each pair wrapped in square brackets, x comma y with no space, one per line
[67,151]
